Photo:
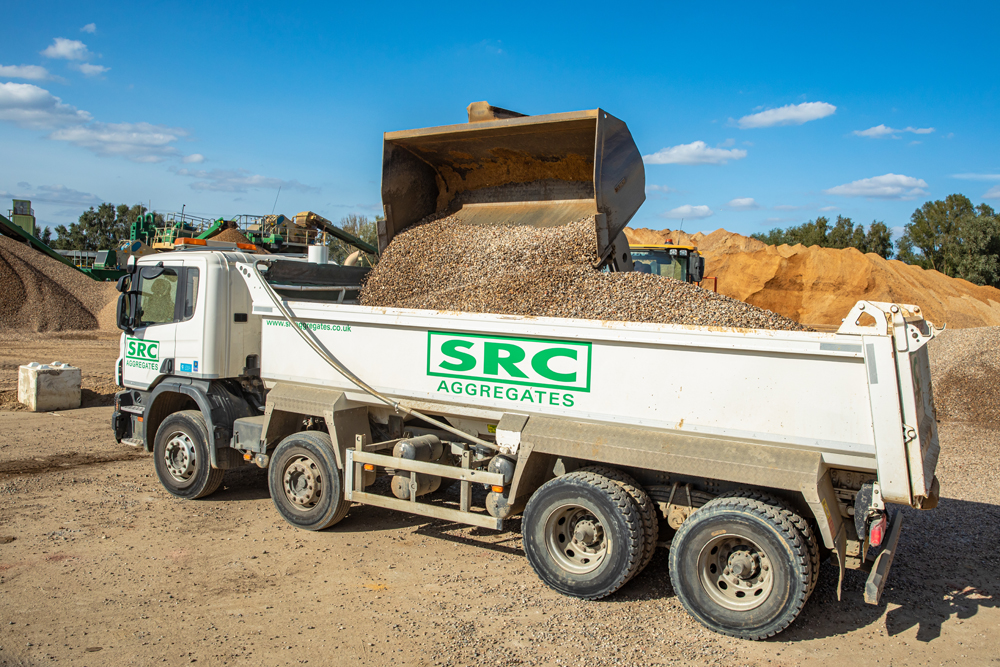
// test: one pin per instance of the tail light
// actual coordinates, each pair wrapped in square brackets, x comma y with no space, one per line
[877,532]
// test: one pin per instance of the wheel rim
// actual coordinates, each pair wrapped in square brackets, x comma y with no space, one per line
[736,572]
[576,539]
[303,483]
[179,456]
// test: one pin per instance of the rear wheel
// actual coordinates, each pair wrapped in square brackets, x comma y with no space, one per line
[583,535]
[305,483]
[182,458]
[740,567]
[800,523]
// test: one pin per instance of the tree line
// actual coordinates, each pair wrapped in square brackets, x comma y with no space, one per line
[949,235]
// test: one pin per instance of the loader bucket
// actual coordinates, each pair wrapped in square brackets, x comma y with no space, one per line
[510,169]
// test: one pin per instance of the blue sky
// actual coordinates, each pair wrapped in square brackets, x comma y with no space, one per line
[750,117]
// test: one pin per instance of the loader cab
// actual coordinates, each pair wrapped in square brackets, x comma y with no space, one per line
[680,262]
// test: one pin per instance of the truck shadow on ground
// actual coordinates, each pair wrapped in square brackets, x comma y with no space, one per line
[942,570]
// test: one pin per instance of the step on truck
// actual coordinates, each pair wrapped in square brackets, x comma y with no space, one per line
[752,455]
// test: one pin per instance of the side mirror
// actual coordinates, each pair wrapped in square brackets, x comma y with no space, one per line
[130,264]
[697,268]
[122,319]
[122,284]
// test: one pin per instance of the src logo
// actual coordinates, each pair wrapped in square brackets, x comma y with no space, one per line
[550,364]
[142,350]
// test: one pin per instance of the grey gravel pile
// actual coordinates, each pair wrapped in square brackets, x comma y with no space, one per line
[39,293]
[541,272]
[965,370]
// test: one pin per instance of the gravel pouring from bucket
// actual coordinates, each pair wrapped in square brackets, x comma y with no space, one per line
[505,168]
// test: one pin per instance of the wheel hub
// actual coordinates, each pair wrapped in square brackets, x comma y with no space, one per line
[744,564]
[179,455]
[735,572]
[576,539]
[302,482]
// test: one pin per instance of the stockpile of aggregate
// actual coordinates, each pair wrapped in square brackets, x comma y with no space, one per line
[965,368]
[230,236]
[541,272]
[39,293]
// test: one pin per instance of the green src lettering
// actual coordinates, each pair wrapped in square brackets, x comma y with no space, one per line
[540,362]
[492,360]
[465,361]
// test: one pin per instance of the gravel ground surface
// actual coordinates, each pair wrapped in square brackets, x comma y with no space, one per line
[520,270]
[38,293]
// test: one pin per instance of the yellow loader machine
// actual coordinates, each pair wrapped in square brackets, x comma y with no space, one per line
[681,262]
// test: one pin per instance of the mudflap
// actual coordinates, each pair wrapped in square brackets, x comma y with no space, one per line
[880,570]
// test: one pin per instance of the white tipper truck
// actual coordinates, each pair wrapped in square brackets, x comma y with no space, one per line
[752,454]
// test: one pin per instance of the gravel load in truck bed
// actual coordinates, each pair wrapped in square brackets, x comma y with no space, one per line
[542,272]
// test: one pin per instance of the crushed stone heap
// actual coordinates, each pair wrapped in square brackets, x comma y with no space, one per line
[39,293]
[541,272]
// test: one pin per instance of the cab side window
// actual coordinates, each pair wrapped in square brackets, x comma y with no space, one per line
[190,292]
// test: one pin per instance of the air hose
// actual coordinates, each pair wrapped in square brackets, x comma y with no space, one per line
[311,340]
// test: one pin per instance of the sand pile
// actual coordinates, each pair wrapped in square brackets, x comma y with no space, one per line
[38,293]
[818,286]
[546,272]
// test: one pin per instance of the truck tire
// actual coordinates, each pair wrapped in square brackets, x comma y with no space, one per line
[583,535]
[740,567]
[305,483]
[800,523]
[647,510]
[182,458]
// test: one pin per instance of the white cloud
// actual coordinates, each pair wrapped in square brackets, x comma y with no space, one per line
[792,114]
[30,72]
[888,186]
[727,143]
[90,27]
[788,207]
[53,194]
[90,70]
[880,131]
[67,49]
[194,158]
[827,209]
[992,193]
[978,177]
[688,211]
[238,180]
[696,152]
[29,106]
[140,142]
[743,204]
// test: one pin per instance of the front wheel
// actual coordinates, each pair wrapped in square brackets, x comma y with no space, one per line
[740,567]
[181,455]
[305,483]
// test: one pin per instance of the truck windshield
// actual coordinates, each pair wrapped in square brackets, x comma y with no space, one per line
[661,263]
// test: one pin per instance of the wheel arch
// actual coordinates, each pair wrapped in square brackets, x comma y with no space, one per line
[219,404]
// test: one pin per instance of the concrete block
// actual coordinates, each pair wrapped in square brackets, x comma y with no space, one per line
[46,387]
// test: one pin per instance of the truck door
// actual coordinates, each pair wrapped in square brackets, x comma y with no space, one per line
[150,351]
